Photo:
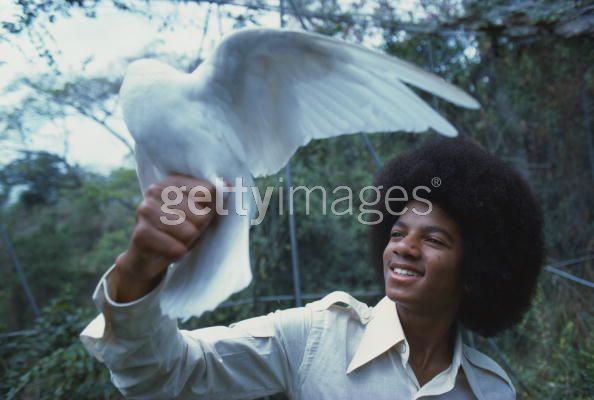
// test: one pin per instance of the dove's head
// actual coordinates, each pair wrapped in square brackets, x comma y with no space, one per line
[141,72]
[145,94]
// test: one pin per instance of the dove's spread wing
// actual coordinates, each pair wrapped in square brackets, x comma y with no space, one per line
[288,87]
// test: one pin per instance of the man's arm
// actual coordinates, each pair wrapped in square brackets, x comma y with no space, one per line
[154,245]
[149,358]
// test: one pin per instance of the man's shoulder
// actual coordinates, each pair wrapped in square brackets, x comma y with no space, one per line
[342,303]
[492,379]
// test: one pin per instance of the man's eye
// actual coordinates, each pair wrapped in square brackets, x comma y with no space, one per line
[432,240]
[396,234]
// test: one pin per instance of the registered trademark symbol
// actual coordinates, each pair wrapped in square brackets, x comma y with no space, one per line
[436,182]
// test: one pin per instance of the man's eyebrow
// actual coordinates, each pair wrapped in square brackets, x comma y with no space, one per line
[438,229]
[429,229]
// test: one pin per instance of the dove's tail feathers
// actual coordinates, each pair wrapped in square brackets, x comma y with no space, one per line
[210,273]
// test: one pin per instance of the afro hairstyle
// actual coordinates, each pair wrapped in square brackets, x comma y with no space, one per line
[498,216]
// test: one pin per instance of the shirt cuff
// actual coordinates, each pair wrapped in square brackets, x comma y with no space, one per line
[127,320]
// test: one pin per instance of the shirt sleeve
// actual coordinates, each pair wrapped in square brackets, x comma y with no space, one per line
[150,358]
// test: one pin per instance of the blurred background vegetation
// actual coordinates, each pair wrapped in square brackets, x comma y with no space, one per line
[529,63]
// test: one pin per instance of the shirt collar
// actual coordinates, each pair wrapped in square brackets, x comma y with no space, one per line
[381,333]
[384,331]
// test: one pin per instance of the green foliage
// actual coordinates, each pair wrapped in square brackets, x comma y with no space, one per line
[71,239]
[552,350]
[51,363]
[39,175]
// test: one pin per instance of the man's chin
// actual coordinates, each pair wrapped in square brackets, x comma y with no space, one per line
[400,295]
[393,293]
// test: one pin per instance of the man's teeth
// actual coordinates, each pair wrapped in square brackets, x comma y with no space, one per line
[402,271]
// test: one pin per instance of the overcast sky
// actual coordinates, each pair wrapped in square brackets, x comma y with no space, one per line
[91,46]
[103,42]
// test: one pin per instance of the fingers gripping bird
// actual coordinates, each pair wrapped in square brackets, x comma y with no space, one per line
[244,111]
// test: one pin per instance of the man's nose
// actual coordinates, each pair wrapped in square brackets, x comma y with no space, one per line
[408,246]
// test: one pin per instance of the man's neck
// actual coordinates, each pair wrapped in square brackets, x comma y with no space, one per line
[431,340]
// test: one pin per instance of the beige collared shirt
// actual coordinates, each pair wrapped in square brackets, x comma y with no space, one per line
[334,348]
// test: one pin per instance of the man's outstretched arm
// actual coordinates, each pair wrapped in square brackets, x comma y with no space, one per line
[149,358]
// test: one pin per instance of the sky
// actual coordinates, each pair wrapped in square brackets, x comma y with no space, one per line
[101,46]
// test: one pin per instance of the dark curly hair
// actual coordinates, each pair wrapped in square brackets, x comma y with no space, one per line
[499,218]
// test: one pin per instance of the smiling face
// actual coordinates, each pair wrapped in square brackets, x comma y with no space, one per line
[422,260]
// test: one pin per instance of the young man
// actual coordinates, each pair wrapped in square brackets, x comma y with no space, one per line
[467,254]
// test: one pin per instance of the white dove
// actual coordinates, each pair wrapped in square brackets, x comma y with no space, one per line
[244,111]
